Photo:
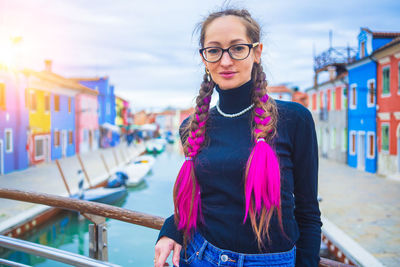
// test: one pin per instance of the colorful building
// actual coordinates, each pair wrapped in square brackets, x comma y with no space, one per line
[388,108]
[362,100]
[87,130]
[121,112]
[109,136]
[328,105]
[13,121]
[52,114]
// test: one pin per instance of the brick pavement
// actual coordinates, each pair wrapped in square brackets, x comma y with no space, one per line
[365,206]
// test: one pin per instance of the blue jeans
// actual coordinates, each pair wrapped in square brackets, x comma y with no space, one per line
[200,252]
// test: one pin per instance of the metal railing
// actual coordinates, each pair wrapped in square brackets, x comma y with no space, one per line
[49,253]
[95,212]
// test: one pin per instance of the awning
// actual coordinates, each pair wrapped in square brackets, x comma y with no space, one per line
[111,127]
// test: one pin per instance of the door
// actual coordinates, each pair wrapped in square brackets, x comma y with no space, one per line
[361,151]
[325,142]
[1,158]
[398,154]
[90,139]
[64,143]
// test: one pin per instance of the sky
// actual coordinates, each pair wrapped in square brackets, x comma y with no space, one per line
[149,49]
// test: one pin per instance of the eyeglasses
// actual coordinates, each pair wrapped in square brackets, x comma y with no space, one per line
[238,52]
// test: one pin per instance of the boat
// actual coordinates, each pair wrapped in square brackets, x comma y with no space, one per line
[156,146]
[102,194]
[137,169]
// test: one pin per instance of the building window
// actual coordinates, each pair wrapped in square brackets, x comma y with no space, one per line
[371,93]
[56,103]
[39,148]
[362,49]
[344,139]
[370,145]
[32,101]
[333,138]
[386,81]
[398,82]
[2,96]
[70,137]
[56,138]
[333,99]
[46,103]
[9,140]
[353,96]
[344,97]
[385,137]
[69,104]
[352,142]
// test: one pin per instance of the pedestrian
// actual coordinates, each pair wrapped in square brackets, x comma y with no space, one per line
[246,194]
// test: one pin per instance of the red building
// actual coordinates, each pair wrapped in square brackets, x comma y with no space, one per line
[388,108]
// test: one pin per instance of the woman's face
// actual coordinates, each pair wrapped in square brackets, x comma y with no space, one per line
[229,73]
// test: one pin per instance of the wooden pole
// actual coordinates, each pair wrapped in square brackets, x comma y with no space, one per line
[105,164]
[84,170]
[63,177]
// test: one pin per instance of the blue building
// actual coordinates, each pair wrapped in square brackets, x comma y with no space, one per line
[14,122]
[362,101]
[109,135]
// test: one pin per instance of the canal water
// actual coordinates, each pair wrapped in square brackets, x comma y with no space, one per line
[128,244]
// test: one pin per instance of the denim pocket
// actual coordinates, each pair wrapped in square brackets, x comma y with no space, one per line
[190,254]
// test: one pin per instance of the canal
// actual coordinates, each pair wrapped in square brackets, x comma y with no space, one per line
[128,244]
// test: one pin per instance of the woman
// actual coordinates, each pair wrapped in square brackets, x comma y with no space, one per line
[246,194]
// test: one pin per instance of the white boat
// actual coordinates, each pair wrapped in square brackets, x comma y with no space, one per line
[156,145]
[138,168]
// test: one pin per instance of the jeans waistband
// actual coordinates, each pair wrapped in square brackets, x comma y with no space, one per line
[229,258]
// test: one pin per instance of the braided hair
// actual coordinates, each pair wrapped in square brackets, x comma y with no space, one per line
[262,176]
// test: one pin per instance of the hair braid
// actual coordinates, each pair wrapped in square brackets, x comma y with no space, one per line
[262,178]
[186,189]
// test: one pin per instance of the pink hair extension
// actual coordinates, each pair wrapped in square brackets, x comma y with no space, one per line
[262,188]
[186,190]
[187,197]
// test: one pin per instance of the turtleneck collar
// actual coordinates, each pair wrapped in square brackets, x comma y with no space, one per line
[236,99]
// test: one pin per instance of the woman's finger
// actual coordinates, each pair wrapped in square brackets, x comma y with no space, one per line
[176,255]
[162,257]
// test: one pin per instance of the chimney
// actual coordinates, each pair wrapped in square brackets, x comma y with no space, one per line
[332,72]
[47,65]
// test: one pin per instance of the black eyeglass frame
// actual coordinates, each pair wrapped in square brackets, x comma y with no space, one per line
[250,46]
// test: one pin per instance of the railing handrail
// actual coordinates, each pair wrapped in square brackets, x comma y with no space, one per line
[83,206]
[52,253]
[104,210]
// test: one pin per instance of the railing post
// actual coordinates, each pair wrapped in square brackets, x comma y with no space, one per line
[98,248]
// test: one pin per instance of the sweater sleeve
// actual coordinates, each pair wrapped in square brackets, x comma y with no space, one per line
[307,213]
[169,228]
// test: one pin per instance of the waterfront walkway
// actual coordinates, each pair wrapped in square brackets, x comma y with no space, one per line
[364,206]
[46,178]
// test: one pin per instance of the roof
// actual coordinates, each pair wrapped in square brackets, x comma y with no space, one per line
[120,98]
[60,80]
[391,43]
[279,89]
[382,34]
[88,79]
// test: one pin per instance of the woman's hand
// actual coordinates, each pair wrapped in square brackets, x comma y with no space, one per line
[163,249]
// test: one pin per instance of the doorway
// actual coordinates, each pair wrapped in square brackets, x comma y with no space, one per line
[64,143]
[361,151]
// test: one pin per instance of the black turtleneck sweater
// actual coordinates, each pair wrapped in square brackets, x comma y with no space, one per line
[220,167]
